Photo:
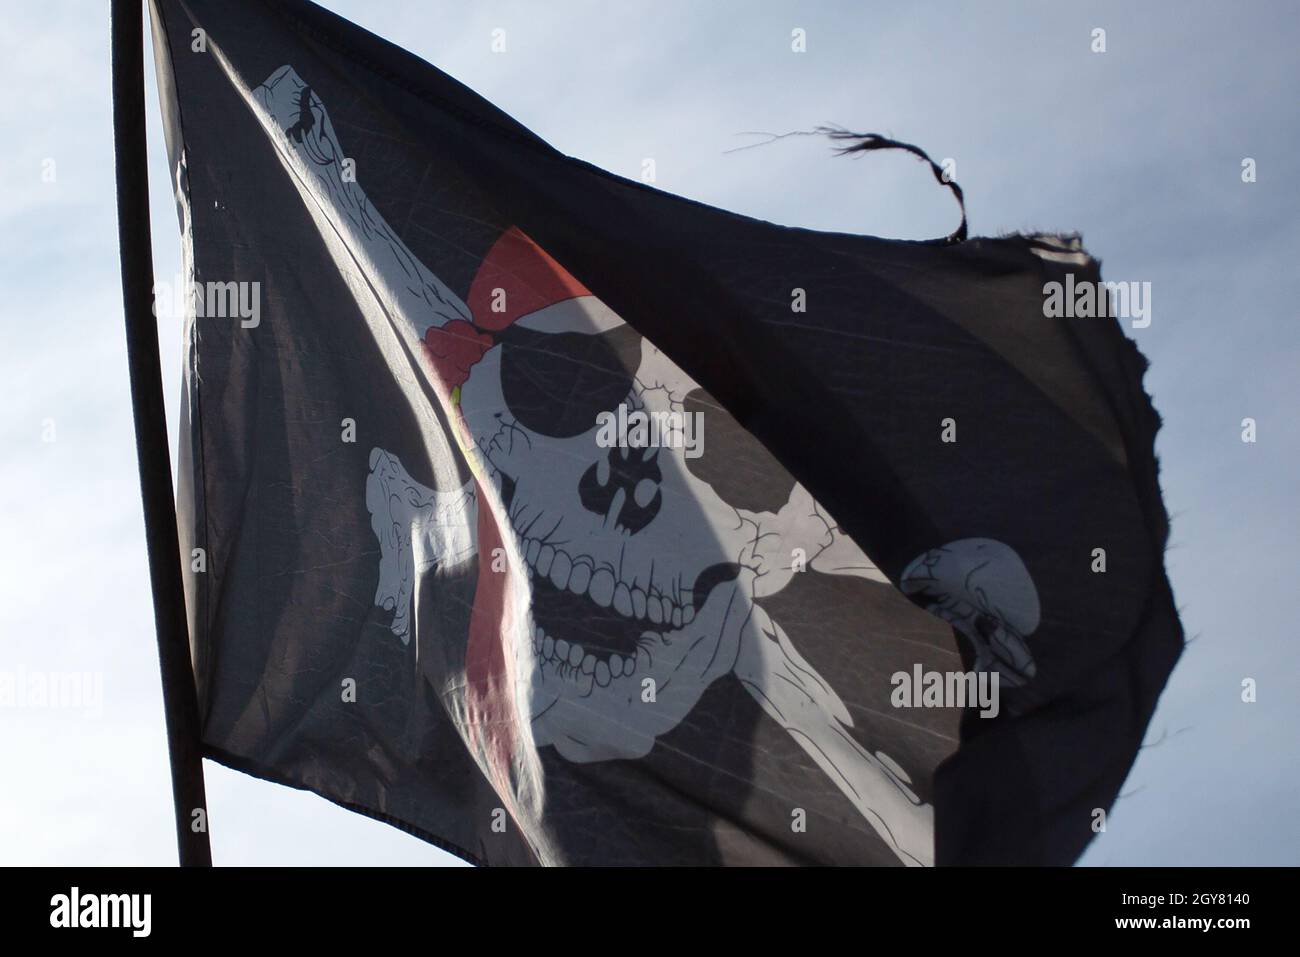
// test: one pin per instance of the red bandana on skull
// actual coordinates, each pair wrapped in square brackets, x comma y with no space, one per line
[516,277]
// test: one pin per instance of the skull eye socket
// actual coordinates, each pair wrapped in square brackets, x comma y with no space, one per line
[738,466]
[557,383]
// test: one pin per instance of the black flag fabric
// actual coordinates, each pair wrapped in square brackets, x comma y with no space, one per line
[559,520]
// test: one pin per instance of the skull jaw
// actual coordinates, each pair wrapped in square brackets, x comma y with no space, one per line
[587,721]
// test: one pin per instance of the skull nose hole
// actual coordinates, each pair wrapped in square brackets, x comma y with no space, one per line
[623,489]
[644,492]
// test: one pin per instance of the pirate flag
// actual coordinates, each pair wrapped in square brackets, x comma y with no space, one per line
[558,520]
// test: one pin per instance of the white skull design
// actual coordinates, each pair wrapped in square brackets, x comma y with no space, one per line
[639,591]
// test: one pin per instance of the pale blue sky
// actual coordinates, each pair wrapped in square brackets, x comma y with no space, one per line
[1139,148]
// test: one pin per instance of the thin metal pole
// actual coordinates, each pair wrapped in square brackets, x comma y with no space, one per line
[180,701]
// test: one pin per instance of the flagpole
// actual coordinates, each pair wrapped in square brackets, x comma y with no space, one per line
[180,701]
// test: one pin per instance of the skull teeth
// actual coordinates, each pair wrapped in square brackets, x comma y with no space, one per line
[623,600]
[600,585]
[561,653]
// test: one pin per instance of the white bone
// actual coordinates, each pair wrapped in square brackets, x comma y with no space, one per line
[409,291]
[794,695]
[421,531]
[803,525]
